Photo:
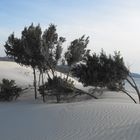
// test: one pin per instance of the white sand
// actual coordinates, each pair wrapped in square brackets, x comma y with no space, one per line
[112,117]
[11,70]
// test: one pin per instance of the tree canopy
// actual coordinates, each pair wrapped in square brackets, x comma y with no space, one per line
[101,70]
[43,50]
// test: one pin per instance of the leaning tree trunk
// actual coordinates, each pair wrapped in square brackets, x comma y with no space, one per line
[48,75]
[138,92]
[43,87]
[51,69]
[134,85]
[124,91]
[35,87]
[68,74]
[39,79]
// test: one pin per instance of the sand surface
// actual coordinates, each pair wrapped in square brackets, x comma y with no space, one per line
[112,117]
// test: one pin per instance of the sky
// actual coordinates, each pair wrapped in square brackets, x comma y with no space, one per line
[113,25]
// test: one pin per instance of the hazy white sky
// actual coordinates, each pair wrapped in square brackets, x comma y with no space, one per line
[111,25]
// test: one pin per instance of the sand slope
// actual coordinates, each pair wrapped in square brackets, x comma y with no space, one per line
[113,117]
[77,121]
[22,75]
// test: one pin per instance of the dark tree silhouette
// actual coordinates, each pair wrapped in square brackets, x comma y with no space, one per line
[76,51]
[51,50]
[104,71]
[26,50]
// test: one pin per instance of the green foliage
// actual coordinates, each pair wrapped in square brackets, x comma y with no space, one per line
[43,51]
[31,42]
[76,50]
[8,90]
[25,50]
[57,87]
[36,50]
[51,47]
[14,49]
[101,70]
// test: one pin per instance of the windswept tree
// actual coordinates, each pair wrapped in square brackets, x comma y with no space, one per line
[133,84]
[40,51]
[104,71]
[113,70]
[76,51]
[14,49]
[26,50]
[51,48]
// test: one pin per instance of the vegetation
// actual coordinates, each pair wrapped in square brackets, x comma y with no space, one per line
[26,50]
[76,51]
[57,87]
[36,50]
[103,71]
[133,84]
[42,51]
[8,90]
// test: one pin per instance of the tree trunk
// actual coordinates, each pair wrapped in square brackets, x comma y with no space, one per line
[48,75]
[124,91]
[43,94]
[134,85]
[42,78]
[43,87]
[68,75]
[39,79]
[35,88]
[52,72]
[58,98]
[51,69]
[138,92]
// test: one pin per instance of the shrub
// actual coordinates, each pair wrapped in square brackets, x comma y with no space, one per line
[57,87]
[8,90]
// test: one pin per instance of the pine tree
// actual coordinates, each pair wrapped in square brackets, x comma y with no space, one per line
[102,71]
[51,47]
[26,50]
[76,51]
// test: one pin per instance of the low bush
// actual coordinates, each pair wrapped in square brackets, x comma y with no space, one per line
[8,90]
[57,87]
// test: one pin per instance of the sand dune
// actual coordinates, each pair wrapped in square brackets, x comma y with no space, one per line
[11,70]
[112,117]
[74,121]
